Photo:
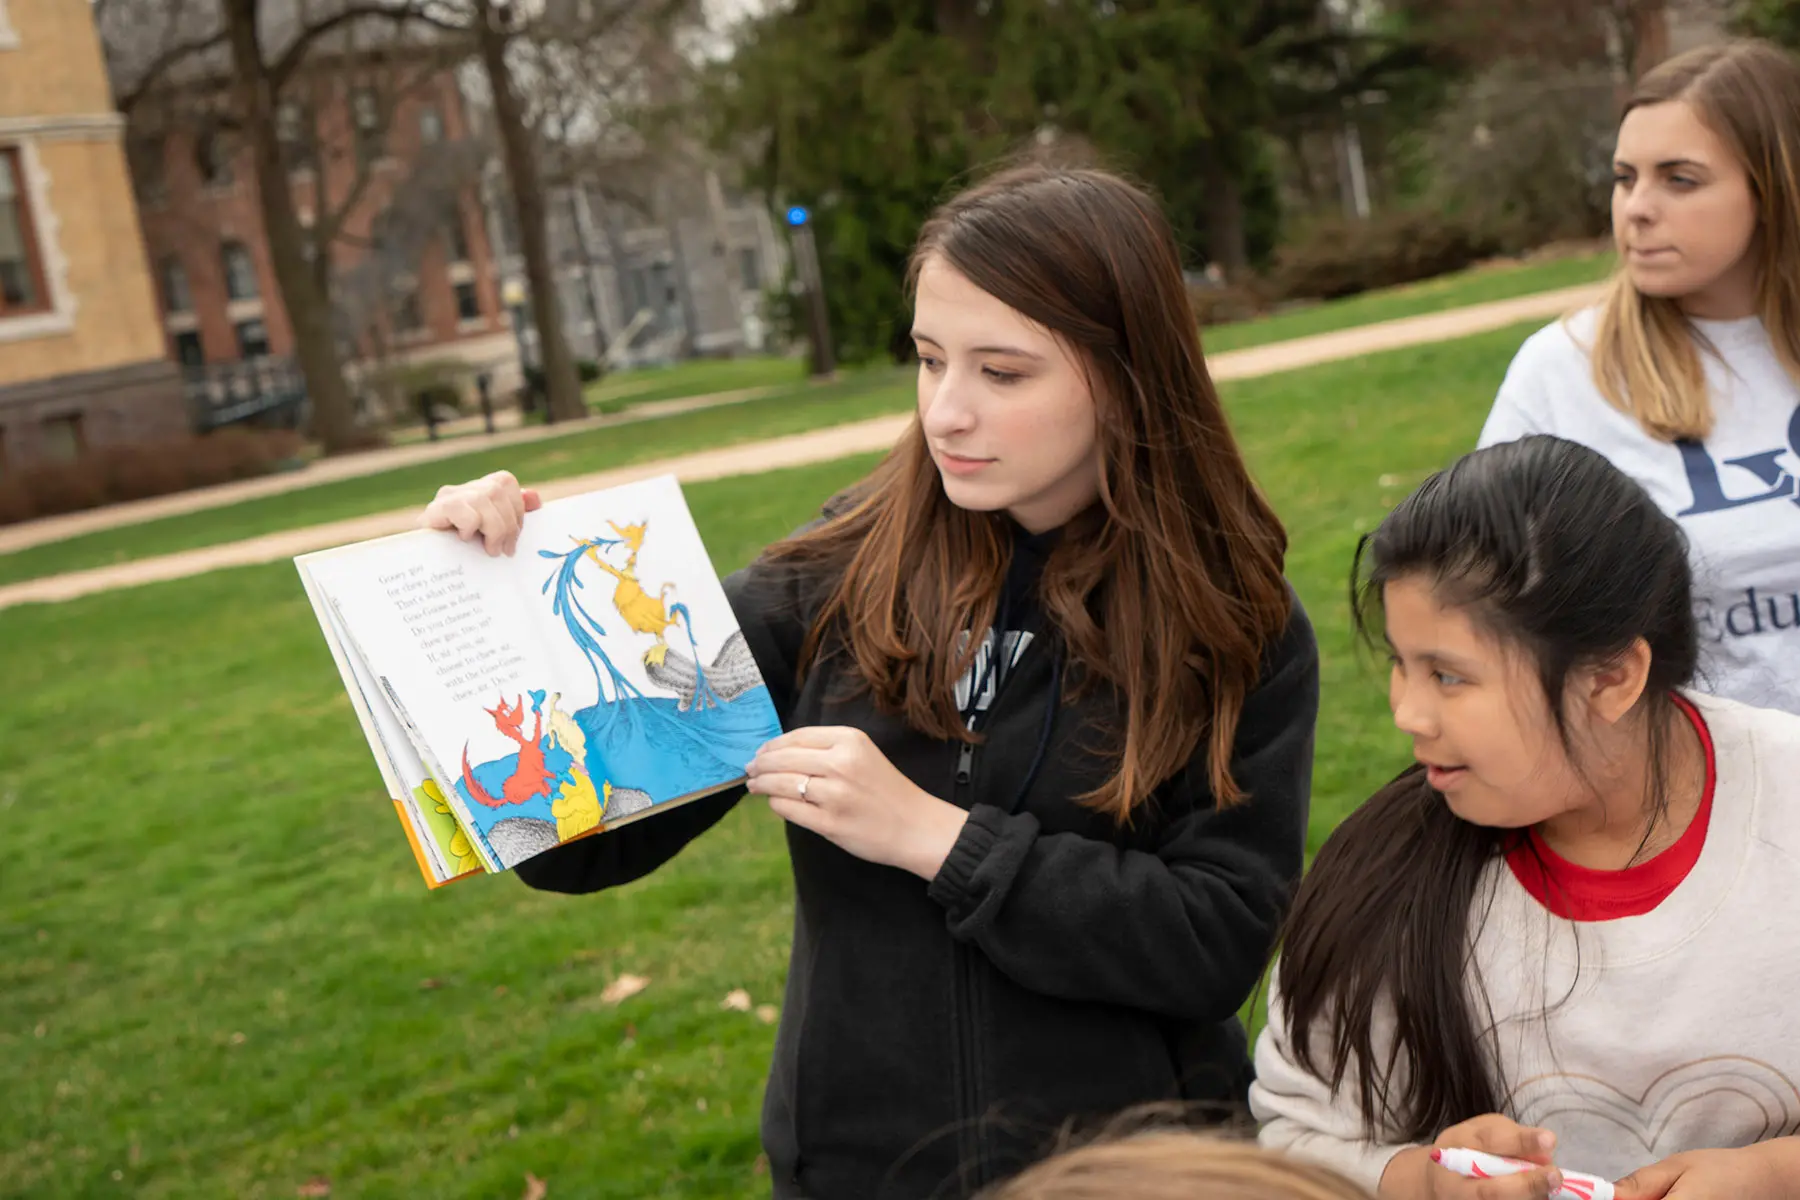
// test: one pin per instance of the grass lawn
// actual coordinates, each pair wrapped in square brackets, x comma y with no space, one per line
[222,976]
[622,389]
[1476,286]
[791,409]
[856,396]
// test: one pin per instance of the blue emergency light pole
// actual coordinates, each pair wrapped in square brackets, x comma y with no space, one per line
[806,263]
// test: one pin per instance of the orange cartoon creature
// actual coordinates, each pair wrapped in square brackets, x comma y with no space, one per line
[529,777]
[642,611]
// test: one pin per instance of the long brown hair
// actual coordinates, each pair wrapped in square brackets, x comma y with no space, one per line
[1646,355]
[1554,552]
[1167,592]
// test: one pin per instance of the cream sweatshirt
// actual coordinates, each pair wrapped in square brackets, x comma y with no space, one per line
[1632,1039]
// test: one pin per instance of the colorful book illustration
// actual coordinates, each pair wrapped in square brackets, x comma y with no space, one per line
[594,678]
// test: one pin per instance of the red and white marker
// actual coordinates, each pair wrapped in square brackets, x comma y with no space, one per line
[1473,1164]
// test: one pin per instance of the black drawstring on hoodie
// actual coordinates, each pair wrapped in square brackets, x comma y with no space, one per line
[1052,702]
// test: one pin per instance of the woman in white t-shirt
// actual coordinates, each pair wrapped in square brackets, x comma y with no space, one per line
[1685,375]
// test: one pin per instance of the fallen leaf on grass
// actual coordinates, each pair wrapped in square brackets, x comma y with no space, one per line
[430,985]
[623,988]
[535,1188]
[737,1001]
[766,1013]
[318,1185]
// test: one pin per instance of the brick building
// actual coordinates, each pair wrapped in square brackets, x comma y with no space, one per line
[82,353]
[384,155]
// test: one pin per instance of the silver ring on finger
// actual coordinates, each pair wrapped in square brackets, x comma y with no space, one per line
[804,780]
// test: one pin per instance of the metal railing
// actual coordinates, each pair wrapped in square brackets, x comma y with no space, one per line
[267,391]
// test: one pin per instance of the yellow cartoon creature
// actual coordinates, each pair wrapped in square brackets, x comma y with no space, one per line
[642,611]
[576,806]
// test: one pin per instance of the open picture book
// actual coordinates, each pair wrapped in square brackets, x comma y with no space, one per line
[594,678]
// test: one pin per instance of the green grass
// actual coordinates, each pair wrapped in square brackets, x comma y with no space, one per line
[853,398]
[790,409]
[1476,286]
[220,974]
[622,389]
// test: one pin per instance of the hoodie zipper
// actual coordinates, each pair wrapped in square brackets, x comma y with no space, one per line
[969,1095]
[970,992]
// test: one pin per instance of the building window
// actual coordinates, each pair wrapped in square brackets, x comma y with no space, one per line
[177,297]
[750,269]
[212,155]
[456,238]
[240,272]
[252,339]
[468,301]
[407,317]
[637,289]
[365,114]
[21,268]
[61,438]
[188,350]
[431,125]
[507,227]
[293,131]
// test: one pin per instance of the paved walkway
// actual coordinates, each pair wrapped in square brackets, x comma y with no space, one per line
[347,466]
[821,445]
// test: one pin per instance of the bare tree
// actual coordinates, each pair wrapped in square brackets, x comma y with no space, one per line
[493,31]
[602,84]
[246,53]
[1631,35]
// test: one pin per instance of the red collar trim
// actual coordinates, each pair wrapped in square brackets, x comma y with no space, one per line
[1577,893]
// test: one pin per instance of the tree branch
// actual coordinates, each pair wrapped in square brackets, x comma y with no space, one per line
[163,63]
[291,58]
[328,222]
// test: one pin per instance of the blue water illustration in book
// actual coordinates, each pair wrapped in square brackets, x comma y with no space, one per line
[630,749]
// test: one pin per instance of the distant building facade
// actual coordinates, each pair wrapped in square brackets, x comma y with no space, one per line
[412,276]
[682,274]
[82,358]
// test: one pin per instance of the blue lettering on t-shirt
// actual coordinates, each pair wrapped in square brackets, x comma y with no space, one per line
[1754,613]
[1765,466]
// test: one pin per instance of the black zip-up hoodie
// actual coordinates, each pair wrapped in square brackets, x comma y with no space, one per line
[935,1036]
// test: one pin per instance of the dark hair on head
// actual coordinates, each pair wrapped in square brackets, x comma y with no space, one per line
[1554,552]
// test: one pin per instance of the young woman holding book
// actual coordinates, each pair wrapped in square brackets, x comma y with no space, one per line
[1563,935]
[1050,707]
[1687,375]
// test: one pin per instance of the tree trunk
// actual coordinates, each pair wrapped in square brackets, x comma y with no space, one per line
[560,381]
[1648,42]
[333,417]
[1226,243]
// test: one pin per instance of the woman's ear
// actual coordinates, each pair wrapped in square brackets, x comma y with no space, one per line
[1614,688]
